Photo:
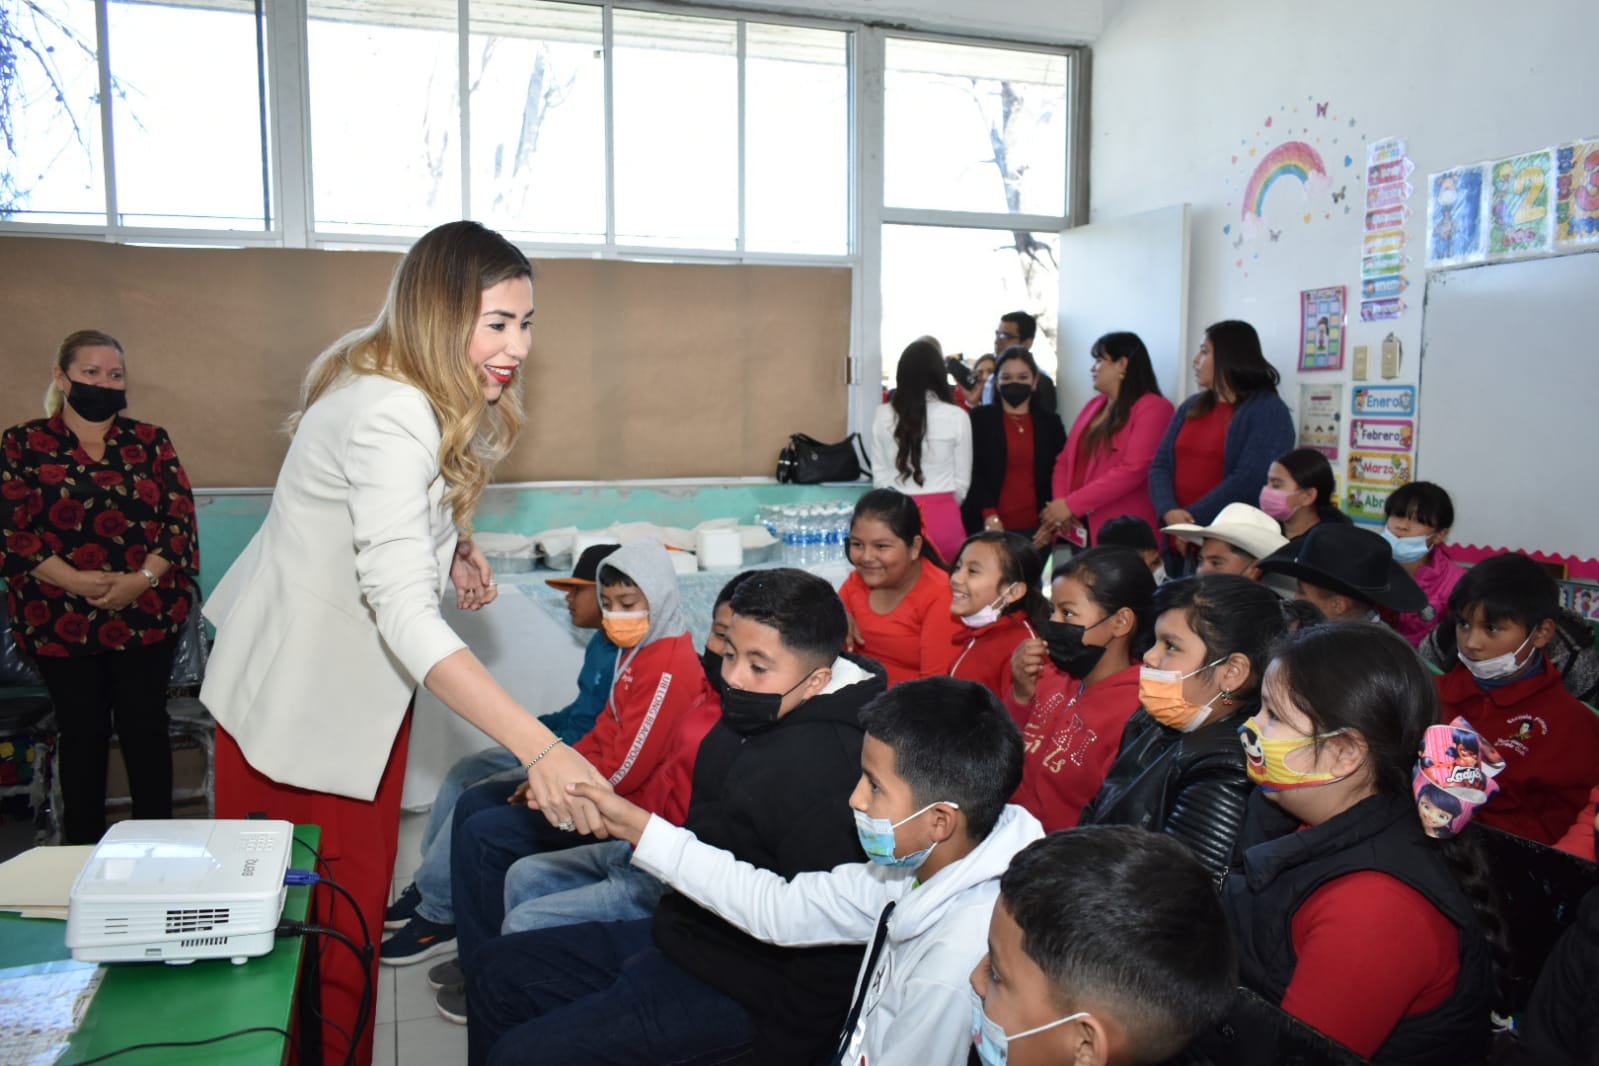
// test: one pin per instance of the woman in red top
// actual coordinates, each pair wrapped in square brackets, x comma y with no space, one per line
[1014,444]
[1103,472]
[1073,691]
[1345,911]
[1221,442]
[898,597]
[99,545]
[994,592]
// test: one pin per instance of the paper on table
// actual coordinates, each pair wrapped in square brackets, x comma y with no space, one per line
[41,1006]
[39,881]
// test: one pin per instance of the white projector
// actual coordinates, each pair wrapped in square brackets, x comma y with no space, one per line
[177,891]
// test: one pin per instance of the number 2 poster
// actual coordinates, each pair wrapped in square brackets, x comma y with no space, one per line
[1518,205]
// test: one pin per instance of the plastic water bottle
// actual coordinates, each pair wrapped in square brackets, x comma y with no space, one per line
[788,530]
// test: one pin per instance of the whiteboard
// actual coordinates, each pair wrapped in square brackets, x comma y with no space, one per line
[1509,402]
[1124,274]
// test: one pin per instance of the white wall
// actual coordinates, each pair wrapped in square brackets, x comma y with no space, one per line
[1182,86]
[1030,21]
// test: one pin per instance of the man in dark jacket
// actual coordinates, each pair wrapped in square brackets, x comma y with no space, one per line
[771,785]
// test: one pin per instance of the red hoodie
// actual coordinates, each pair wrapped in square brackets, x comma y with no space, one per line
[1071,736]
[649,702]
[983,655]
[1549,741]
[667,791]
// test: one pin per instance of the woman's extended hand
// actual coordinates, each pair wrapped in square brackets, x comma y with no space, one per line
[623,820]
[472,576]
[546,791]
[119,592]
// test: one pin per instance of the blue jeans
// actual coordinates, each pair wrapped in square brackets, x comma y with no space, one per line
[432,878]
[596,883]
[599,994]
[490,835]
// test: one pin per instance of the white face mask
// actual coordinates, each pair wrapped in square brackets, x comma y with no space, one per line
[986,616]
[1498,667]
[993,1046]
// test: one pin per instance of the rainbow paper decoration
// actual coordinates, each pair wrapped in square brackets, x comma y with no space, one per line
[1293,159]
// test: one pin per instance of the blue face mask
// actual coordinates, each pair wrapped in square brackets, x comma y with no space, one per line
[1406,549]
[877,839]
[993,1046]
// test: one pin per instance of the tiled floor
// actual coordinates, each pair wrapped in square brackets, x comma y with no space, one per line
[409,1031]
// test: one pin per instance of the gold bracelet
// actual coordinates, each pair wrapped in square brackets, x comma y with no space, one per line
[553,745]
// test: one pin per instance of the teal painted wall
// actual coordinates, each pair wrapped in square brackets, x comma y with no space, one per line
[227,522]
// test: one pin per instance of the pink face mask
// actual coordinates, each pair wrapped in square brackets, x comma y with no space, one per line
[1275,503]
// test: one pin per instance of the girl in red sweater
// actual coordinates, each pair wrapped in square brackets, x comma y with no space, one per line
[1073,691]
[994,591]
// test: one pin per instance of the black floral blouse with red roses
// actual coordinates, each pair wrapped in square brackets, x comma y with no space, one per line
[106,515]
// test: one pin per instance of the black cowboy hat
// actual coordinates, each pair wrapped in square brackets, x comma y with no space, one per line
[1350,561]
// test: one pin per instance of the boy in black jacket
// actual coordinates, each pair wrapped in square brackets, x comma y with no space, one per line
[771,785]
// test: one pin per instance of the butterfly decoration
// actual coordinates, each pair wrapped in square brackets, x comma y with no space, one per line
[1239,243]
[1321,110]
[1275,235]
[1339,195]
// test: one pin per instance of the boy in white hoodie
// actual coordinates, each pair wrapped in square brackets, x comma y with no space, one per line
[940,759]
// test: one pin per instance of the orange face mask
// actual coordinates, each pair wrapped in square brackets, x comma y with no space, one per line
[625,628]
[1161,693]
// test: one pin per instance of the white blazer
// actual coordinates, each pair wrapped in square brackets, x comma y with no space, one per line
[330,618]
[946,451]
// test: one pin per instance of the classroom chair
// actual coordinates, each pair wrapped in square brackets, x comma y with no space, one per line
[1539,890]
[1258,1033]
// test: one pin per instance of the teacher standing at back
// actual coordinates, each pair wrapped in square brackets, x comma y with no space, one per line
[330,617]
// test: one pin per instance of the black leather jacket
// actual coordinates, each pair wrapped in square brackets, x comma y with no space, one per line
[1191,785]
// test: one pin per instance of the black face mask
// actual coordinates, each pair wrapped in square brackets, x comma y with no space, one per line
[1015,393]
[96,403]
[747,713]
[712,664]
[1067,650]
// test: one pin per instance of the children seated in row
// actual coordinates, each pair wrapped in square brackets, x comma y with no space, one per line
[898,597]
[994,591]
[1179,769]
[1235,542]
[658,680]
[1299,492]
[1130,531]
[1074,690]
[1347,572]
[1504,611]
[771,785]
[939,763]
[423,916]
[1418,517]
[1344,911]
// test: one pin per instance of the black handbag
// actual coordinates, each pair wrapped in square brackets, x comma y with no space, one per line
[807,461]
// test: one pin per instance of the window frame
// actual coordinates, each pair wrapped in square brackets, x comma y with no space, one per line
[287,130]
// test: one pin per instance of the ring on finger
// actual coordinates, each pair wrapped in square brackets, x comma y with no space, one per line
[567,826]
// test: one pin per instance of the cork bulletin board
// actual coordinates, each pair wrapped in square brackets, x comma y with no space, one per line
[639,370]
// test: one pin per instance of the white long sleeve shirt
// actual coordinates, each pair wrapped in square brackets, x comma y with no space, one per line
[946,451]
[916,1009]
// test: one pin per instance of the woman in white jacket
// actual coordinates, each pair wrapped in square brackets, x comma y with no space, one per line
[330,618]
[922,445]
[940,759]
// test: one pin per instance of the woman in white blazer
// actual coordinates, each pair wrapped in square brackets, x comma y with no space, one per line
[922,445]
[330,618]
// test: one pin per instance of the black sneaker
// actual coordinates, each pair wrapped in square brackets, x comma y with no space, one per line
[447,974]
[417,940]
[403,909]
[451,1003]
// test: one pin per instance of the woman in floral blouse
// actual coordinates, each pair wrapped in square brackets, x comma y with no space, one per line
[98,551]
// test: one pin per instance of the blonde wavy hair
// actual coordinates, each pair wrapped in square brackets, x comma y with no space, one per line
[76,342]
[421,337]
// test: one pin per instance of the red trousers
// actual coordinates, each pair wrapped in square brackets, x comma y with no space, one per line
[359,842]
[941,523]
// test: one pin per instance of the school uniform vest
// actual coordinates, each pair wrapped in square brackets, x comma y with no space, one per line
[1282,868]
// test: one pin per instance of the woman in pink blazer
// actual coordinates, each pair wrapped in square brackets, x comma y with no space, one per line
[1103,472]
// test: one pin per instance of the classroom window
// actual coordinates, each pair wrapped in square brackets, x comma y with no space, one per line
[796,140]
[187,158]
[385,119]
[955,283]
[537,106]
[51,160]
[676,130]
[974,129]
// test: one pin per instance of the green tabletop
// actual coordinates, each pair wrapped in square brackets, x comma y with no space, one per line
[141,1003]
